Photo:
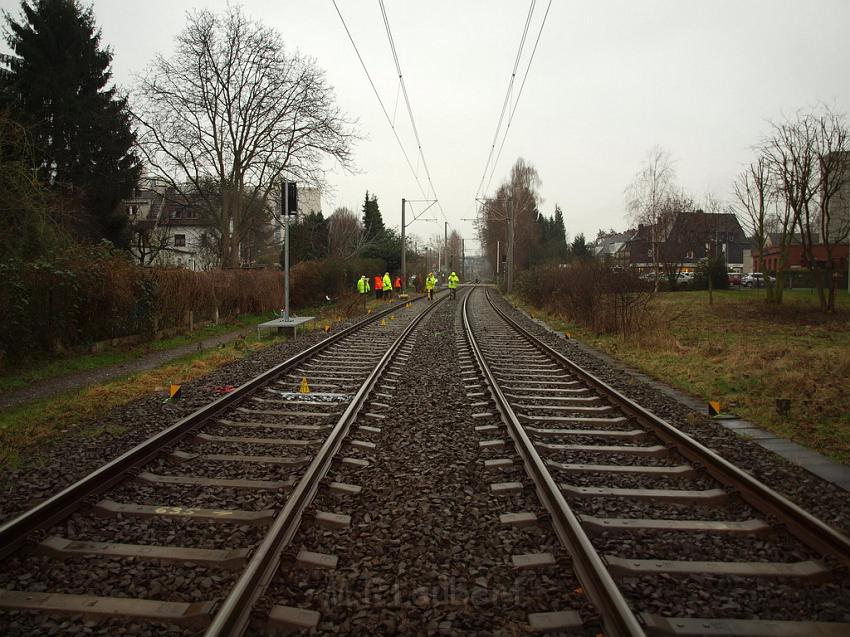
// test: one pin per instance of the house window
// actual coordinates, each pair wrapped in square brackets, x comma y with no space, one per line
[180,240]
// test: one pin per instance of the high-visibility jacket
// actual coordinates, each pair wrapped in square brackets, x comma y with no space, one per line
[388,282]
[363,285]
[453,281]
[397,283]
[430,282]
[379,282]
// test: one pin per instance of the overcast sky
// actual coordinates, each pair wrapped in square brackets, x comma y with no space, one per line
[609,80]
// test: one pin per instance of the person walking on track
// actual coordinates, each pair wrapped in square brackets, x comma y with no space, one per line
[387,284]
[379,286]
[453,282]
[430,282]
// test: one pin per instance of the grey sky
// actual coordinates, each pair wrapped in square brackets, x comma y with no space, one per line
[609,80]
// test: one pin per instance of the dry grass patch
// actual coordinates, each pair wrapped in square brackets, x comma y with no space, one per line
[26,427]
[747,354]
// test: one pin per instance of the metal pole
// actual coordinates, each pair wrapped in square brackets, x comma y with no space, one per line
[463,259]
[498,257]
[403,251]
[510,284]
[446,242]
[285,251]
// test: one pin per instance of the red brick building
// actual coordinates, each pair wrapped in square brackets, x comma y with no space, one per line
[797,259]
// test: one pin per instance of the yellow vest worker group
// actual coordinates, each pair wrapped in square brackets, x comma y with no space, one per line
[388,286]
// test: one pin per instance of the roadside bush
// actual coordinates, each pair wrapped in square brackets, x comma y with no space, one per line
[311,281]
[589,294]
[89,294]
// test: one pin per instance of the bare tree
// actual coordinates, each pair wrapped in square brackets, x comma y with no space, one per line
[516,202]
[647,193]
[755,208]
[231,107]
[346,238]
[832,152]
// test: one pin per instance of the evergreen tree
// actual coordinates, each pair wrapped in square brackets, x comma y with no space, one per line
[373,224]
[56,83]
[580,248]
[308,239]
[558,235]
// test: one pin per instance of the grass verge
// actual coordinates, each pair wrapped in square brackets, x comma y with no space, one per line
[746,354]
[24,428]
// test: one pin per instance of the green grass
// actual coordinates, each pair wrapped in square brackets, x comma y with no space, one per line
[38,370]
[25,427]
[746,353]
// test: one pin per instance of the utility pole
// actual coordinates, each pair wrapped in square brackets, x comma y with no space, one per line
[285,250]
[403,251]
[510,281]
[446,241]
[463,259]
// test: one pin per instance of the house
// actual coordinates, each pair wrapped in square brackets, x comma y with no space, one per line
[171,229]
[613,248]
[771,259]
[683,239]
[168,230]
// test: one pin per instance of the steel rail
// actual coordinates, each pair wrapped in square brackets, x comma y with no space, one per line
[810,530]
[603,592]
[14,532]
[234,615]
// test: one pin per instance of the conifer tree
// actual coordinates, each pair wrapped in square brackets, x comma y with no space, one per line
[373,223]
[57,84]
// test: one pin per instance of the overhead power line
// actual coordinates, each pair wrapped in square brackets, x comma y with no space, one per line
[381,102]
[409,108]
[519,95]
[507,96]
[513,109]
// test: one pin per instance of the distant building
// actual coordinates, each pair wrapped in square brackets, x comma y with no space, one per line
[686,238]
[613,248]
[309,200]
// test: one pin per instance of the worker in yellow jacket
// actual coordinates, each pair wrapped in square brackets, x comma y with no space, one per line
[388,287]
[453,283]
[363,285]
[430,282]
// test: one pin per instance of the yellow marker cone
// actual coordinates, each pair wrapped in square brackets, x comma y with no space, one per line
[175,392]
[369,311]
[383,323]
[327,328]
[304,388]
[713,407]
[568,335]
[392,317]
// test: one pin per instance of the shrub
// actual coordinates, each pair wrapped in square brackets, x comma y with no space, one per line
[589,294]
[87,294]
[311,281]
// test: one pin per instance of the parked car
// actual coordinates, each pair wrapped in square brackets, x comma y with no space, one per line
[685,277]
[756,280]
[735,278]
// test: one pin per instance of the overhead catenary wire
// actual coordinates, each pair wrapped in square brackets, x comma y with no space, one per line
[506,101]
[409,108]
[381,102]
[519,94]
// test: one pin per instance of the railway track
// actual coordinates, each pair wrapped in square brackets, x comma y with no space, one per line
[184,531]
[666,537]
